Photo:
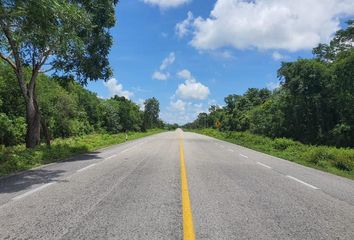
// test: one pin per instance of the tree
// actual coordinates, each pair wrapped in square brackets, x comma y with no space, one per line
[309,112]
[151,113]
[68,37]
[341,44]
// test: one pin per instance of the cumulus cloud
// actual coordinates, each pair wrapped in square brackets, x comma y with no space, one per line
[157,75]
[273,85]
[116,88]
[185,74]
[162,75]
[191,89]
[165,4]
[141,104]
[169,60]
[175,113]
[278,56]
[269,24]
[178,105]
[182,28]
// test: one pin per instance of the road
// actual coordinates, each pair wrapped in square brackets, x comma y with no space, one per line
[176,185]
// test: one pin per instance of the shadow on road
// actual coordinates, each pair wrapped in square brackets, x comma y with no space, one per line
[47,174]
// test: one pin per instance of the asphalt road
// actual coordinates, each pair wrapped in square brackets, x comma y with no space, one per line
[137,190]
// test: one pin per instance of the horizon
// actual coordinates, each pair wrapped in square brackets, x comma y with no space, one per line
[189,56]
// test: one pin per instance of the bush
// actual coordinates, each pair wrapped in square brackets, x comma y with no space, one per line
[315,155]
[12,131]
[339,161]
[345,161]
[18,158]
[283,143]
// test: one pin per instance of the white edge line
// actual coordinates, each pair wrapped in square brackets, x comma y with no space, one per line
[306,184]
[126,150]
[33,191]
[264,165]
[111,157]
[243,156]
[85,168]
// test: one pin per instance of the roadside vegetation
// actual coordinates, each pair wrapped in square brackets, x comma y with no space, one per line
[17,158]
[339,161]
[50,50]
[74,121]
[314,103]
[308,118]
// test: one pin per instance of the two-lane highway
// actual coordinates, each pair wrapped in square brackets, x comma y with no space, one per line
[176,185]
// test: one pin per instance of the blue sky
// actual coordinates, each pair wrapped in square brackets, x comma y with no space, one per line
[223,47]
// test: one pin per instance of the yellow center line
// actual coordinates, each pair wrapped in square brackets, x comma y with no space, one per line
[188,227]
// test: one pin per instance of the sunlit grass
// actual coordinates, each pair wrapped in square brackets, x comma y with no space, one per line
[339,161]
[17,158]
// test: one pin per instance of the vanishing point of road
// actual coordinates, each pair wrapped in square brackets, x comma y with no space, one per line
[176,185]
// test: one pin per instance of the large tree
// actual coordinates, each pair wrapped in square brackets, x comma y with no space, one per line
[151,113]
[70,38]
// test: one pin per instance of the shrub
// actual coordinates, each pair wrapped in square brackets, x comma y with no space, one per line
[316,154]
[339,161]
[12,131]
[283,143]
[345,161]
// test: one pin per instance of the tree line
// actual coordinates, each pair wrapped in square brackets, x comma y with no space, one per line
[67,109]
[314,103]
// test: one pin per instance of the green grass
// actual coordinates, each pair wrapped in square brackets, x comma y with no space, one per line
[339,161]
[18,158]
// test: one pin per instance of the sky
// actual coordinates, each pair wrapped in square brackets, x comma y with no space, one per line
[190,54]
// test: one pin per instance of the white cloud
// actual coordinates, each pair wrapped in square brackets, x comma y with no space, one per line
[178,105]
[191,89]
[116,88]
[278,56]
[165,4]
[157,75]
[185,74]
[273,85]
[188,113]
[269,24]
[140,103]
[168,61]
[182,28]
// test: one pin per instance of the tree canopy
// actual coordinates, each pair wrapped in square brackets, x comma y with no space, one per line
[314,103]
[70,38]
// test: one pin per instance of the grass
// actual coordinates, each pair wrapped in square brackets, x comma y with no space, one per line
[18,158]
[339,161]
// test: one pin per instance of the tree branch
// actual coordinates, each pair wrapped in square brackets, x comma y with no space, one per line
[36,68]
[8,60]
[18,65]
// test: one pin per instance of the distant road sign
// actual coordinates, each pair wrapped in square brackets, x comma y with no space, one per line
[218,124]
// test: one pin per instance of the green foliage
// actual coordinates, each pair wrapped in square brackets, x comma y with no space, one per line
[283,143]
[12,102]
[68,110]
[12,131]
[13,159]
[338,161]
[74,33]
[313,105]
[71,37]
[151,113]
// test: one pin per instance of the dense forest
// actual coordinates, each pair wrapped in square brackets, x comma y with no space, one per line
[70,40]
[69,110]
[314,103]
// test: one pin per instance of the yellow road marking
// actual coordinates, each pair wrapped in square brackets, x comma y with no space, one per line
[188,227]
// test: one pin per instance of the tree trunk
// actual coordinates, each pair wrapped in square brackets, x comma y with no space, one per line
[33,119]
[45,131]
